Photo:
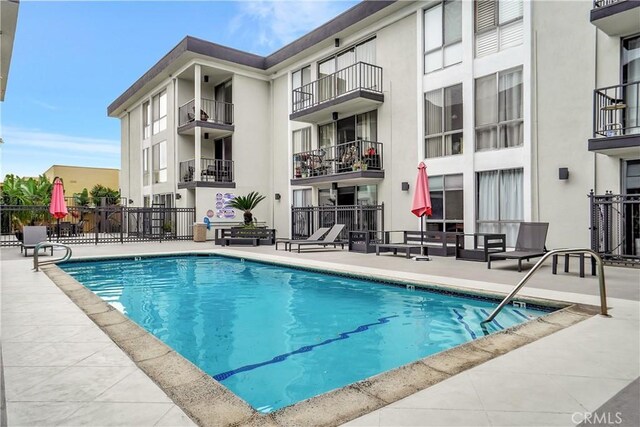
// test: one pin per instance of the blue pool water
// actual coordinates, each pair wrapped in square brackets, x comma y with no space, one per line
[276,335]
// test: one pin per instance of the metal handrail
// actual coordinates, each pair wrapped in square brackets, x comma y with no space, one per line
[525,279]
[41,245]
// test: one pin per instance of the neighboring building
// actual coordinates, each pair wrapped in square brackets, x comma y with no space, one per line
[497,97]
[8,21]
[77,178]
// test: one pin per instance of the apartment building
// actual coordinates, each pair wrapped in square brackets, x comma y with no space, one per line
[496,97]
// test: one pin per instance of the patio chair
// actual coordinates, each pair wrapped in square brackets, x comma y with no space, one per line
[529,244]
[329,239]
[315,236]
[33,234]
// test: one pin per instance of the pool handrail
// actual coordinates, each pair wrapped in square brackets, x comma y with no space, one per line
[525,279]
[37,264]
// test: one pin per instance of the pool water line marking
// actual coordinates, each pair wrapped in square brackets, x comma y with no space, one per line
[465,324]
[282,357]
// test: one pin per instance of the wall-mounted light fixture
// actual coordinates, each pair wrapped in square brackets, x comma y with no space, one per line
[130,201]
[336,42]
[206,135]
[405,186]
[178,196]
[206,79]
[334,116]
[334,186]
[278,196]
[563,173]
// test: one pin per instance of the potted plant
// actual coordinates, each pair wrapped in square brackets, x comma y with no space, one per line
[167,227]
[246,204]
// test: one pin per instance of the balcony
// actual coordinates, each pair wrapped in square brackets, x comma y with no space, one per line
[352,89]
[616,124]
[355,160]
[616,18]
[214,173]
[215,117]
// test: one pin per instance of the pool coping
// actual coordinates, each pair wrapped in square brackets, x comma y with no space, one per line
[208,402]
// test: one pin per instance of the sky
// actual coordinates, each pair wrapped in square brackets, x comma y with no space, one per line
[72,59]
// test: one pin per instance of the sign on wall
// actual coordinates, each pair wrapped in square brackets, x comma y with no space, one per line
[223,211]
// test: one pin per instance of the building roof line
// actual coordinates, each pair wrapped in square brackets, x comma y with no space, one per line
[341,22]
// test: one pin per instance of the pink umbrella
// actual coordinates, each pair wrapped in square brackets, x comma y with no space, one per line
[58,207]
[421,198]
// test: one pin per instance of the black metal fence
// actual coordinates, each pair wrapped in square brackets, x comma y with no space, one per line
[306,220]
[212,170]
[615,227]
[603,3]
[100,224]
[359,76]
[210,111]
[331,160]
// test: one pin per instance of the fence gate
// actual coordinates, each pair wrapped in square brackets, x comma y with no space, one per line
[615,227]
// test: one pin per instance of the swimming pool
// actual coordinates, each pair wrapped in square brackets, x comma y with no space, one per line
[276,335]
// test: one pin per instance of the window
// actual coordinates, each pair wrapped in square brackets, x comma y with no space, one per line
[498,25]
[160,162]
[145,166]
[500,202]
[160,112]
[302,198]
[442,35]
[498,107]
[146,120]
[165,200]
[447,203]
[301,77]
[301,140]
[443,122]
[348,80]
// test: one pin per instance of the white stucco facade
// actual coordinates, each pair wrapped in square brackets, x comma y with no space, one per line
[555,55]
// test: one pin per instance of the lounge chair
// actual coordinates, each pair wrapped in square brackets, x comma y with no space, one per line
[32,235]
[315,236]
[329,239]
[529,244]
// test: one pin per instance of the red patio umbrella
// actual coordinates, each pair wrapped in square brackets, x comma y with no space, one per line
[58,207]
[421,206]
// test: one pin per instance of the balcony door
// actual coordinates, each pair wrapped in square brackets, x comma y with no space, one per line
[631,74]
[223,94]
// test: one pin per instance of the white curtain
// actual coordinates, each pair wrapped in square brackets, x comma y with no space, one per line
[511,202]
[433,123]
[488,201]
[486,112]
[631,58]
[510,107]
[366,126]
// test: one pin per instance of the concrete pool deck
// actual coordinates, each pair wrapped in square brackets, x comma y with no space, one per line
[60,368]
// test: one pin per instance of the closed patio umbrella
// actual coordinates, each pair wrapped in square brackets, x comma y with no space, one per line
[58,207]
[421,205]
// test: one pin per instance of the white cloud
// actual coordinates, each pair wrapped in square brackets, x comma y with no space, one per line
[29,152]
[44,105]
[272,24]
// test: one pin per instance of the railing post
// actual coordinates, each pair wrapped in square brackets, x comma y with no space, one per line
[121,224]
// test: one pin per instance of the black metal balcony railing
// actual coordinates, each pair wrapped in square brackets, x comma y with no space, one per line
[336,159]
[616,110]
[359,76]
[211,170]
[603,3]
[210,111]
[615,227]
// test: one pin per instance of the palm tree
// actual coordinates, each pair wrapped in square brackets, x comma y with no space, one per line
[246,203]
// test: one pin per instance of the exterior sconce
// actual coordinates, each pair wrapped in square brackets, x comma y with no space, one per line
[334,116]
[563,173]
[336,42]
[405,186]
[206,135]
[178,196]
[206,79]
[334,186]
[278,196]
[130,201]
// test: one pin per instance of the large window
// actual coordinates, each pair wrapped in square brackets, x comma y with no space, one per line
[442,35]
[447,203]
[160,112]
[498,25]
[301,77]
[443,121]
[302,198]
[145,166]
[146,120]
[160,162]
[498,107]
[354,128]
[301,140]
[500,202]
[346,81]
